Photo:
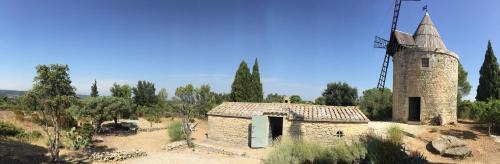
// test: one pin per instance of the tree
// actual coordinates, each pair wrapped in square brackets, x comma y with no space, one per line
[274,97]
[340,94]
[489,79]
[162,98]
[490,113]
[463,84]
[152,114]
[257,93]
[102,108]
[464,88]
[241,87]
[376,105]
[123,91]
[320,101]
[188,99]
[295,99]
[51,95]
[144,94]
[93,90]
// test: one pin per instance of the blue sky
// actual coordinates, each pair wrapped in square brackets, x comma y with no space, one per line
[301,45]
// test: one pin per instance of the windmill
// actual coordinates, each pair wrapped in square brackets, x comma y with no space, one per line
[390,45]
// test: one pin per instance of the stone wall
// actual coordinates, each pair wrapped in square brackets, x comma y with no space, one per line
[237,130]
[325,132]
[436,86]
[229,129]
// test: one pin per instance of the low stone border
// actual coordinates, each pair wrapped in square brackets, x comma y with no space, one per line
[210,148]
[116,155]
[150,129]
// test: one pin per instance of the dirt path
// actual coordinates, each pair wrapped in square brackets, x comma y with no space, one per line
[188,156]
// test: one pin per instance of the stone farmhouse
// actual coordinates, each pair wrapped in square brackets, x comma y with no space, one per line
[257,124]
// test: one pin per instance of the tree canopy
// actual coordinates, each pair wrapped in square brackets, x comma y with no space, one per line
[376,105]
[241,87]
[257,92]
[489,79]
[340,94]
[295,99]
[123,91]
[144,94]
[274,97]
[93,89]
[246,86]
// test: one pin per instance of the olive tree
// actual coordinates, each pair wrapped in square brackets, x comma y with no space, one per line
[50,96]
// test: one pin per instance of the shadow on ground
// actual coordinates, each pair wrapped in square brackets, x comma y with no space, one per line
[462,134]
[12,151]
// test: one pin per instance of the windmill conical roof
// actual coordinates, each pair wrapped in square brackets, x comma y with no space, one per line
[427,36]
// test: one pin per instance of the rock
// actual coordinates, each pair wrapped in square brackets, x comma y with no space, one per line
[451,146]
[116,155]
[457,151]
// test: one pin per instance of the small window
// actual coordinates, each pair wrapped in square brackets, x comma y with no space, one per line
[425,62]
[339,134]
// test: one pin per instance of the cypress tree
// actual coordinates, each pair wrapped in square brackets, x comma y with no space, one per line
[93,89]
[240,89]
[489,79]
[257,93]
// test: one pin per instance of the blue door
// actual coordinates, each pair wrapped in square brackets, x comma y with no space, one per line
[260,130]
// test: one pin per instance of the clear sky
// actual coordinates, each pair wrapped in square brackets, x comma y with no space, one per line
[301,45]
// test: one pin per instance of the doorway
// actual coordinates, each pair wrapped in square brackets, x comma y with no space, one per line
[275,128]
[414,109]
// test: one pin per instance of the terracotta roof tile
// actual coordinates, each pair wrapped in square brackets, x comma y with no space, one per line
[305,112]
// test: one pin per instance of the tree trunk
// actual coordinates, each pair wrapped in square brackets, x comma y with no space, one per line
[56,145]
[116,121]
[187,131]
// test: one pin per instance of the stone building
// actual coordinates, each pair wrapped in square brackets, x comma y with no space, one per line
[425,77]
[257,124]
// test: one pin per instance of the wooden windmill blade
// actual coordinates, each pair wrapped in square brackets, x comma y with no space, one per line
[390,45]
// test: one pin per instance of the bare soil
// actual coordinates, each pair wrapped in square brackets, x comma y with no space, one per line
[417,138]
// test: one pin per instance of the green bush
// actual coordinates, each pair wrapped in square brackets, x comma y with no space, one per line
[294,151]
[29,136]
[175,131]
[386,151]
[343,153]
[395,133]
[9,130]
[370,149]
[80,137]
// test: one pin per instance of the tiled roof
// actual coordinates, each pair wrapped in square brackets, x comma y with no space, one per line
[303,112]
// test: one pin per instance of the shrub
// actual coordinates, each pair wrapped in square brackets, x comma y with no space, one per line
[386,151]
[343,153]
[371,149]
[395,133]
[175,131]
[9,130]
[295,151]
[29,136]
[434,129]
[81,137]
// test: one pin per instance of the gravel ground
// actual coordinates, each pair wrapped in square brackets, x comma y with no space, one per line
[188,156]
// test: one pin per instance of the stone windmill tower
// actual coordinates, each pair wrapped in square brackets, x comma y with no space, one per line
[425,77]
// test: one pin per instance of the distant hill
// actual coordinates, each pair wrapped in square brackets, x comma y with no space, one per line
[14,93]
[11,93]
